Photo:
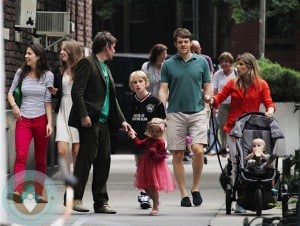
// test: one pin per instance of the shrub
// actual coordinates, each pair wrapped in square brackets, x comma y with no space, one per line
[284,82]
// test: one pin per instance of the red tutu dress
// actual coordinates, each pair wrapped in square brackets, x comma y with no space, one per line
[152,171]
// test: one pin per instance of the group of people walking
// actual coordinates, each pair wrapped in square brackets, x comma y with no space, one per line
[171,101]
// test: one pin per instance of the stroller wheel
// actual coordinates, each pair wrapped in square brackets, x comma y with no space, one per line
[246,222]
[228,201]
[259,201]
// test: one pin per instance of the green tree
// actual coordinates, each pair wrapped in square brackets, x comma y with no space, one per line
[280,14]
[105,9]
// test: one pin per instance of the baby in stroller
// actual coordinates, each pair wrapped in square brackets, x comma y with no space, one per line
[256,138]
[258,158]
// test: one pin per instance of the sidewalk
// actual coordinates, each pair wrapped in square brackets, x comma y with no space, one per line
[123,198]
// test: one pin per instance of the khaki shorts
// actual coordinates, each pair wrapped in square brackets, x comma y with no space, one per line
[180,124]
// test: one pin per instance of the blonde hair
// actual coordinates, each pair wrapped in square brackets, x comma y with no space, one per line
[261,141]
[138,74]
[75,54]
[252,76]
[156,122]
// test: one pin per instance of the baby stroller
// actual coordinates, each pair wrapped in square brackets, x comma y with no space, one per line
[253,187]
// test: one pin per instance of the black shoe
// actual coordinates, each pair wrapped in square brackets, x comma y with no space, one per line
[186,159]
[197,199]
[186,202]
[40,199]
[17,197]
[223,152]
[145,205]
[205,160]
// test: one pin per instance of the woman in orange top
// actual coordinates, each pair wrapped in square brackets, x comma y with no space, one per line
[248,90]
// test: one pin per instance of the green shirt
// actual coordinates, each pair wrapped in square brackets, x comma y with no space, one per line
[105,108]
[185,82]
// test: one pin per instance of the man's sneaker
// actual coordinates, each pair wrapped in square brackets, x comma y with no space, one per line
[78,206]
[140,195]
[212,152]
[144,200]
[223,152]
[186,158]
[239,209]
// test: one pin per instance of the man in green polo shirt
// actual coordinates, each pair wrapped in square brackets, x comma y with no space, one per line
[185,79]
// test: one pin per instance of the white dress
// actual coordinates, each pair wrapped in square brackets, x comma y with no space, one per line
[63,131]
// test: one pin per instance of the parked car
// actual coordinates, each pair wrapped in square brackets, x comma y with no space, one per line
[121,66]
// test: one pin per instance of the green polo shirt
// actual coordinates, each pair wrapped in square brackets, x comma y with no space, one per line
[185,81]
[105,108]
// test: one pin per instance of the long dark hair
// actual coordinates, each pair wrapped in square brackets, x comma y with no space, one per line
[41,65]
[155,51]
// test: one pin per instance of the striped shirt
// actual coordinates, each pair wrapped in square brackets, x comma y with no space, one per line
[34,93]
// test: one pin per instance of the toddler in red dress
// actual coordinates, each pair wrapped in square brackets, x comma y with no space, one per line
[153,174]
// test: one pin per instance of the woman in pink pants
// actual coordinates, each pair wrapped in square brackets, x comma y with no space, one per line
[33,117]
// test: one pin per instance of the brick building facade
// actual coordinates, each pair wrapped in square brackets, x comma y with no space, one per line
[17,39]
[138,29]
[285,51]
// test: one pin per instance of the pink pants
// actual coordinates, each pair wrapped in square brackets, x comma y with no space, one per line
[26,129]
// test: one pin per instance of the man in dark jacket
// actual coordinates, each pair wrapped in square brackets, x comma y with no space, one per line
[96,114]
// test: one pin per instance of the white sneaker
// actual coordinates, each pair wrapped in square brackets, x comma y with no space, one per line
[144,200]
[212,152]
[239,209]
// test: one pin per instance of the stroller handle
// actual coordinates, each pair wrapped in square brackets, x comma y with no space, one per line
[251,113]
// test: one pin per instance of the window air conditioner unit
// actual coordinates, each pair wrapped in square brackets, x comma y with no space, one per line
[25,13]
[52,23]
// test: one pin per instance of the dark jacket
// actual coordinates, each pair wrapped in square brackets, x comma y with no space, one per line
[57,84]
[88,94]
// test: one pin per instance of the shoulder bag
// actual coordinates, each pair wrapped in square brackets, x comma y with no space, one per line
[18,96]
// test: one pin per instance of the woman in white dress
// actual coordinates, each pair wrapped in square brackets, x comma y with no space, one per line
[70,54]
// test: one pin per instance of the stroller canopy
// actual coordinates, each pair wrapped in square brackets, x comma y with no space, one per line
[256,120]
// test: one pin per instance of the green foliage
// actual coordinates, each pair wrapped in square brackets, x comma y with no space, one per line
[246,10]
[107,8]
[280,13]
[284,82]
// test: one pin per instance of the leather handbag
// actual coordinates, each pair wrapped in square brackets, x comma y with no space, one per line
[18,96]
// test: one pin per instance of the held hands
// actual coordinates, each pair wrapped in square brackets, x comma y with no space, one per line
[131,133]
[129,130]
[126,126]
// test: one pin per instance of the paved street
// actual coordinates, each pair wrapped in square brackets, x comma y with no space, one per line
[123,198]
